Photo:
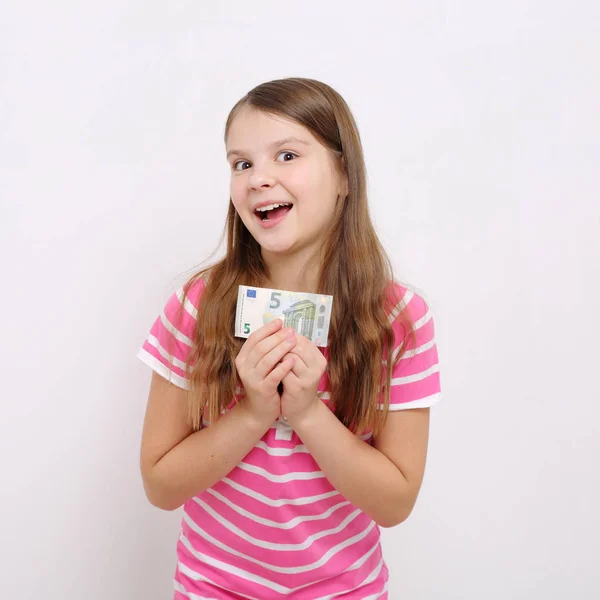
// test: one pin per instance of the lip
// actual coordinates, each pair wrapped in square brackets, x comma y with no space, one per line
[266,203]
[271,222]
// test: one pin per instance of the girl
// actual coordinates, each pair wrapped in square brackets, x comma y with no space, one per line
[288,457]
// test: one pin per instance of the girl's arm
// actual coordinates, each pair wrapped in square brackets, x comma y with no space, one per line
[178,463]
[383,480]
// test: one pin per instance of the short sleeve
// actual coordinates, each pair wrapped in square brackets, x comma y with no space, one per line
[170,340]
[415,381]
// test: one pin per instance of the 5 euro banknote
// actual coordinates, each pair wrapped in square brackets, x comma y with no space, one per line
[308,314]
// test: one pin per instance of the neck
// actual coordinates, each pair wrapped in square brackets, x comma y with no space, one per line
[293,273]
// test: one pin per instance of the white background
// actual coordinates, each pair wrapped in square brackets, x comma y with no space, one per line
[481,129]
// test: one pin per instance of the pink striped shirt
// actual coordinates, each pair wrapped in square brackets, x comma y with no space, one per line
[275,527]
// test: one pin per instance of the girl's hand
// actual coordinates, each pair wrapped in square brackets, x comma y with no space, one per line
[260,370]
[301,383]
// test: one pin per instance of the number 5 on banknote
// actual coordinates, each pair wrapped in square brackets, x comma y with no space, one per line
[308,314]
[275,303]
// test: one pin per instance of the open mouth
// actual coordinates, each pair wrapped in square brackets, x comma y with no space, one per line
[274,215]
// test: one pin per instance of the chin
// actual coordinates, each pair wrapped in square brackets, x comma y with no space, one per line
[277,247]
[275,243]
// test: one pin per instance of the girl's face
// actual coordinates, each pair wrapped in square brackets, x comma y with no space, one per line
[267,167]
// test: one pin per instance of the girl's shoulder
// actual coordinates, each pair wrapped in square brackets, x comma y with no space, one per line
[402,296]
[194,287]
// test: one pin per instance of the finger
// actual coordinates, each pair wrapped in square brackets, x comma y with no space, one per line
[301,362]
[291,377]
[304,351]
[281,370]
[271,351]
[259,335]
[268,345]
[299,370]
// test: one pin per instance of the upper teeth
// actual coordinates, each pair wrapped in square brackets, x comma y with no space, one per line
[272,206]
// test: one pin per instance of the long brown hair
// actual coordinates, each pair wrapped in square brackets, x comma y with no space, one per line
[354,269]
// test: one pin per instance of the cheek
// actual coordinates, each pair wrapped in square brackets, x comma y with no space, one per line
[237,193]
[305,185]
[234,186]
[313,190]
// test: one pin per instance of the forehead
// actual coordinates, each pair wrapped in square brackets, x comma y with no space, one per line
[254,129]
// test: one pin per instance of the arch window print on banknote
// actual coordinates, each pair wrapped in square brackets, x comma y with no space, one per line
[301,317]
[301,311]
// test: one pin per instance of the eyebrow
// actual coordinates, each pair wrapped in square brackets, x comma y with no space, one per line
[286,140]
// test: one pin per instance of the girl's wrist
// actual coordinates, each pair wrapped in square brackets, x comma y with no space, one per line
[305,418]
[257,422]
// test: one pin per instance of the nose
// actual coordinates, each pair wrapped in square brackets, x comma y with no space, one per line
[260,177]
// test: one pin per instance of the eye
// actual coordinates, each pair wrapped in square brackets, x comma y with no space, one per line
[241,162]
[235,164]
[287,152]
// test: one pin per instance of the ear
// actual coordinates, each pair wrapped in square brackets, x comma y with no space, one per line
[344,175]
[344,193]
